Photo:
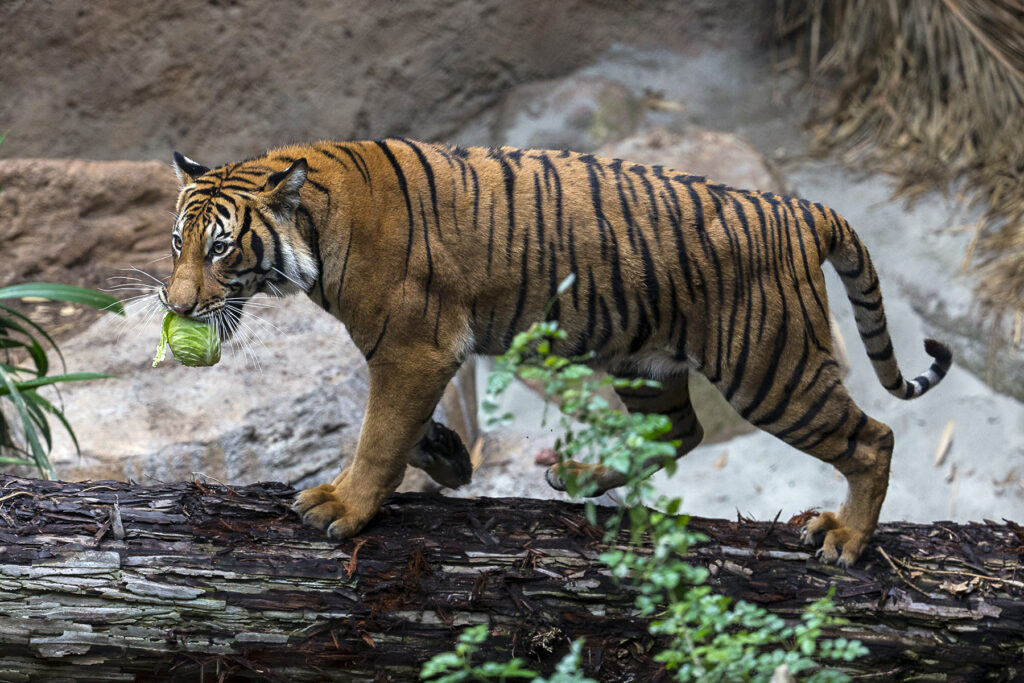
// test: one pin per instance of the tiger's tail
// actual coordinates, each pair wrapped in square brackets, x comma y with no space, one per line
[851,260]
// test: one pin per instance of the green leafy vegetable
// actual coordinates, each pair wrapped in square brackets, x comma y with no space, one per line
[193,343]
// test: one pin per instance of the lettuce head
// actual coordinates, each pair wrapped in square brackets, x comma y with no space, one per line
[193,343]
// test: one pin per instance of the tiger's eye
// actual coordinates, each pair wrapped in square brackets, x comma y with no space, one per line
[176,241]
[219,247]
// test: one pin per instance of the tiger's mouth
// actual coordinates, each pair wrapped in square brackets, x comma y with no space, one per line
[225,318]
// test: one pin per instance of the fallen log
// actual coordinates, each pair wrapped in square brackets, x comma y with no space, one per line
[106,581]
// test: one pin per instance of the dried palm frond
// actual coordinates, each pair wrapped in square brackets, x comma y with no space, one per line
[931,91]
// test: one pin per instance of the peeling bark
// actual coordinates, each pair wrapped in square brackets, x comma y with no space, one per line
[106,581]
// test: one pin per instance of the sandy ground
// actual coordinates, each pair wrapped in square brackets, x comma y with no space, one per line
[983,475]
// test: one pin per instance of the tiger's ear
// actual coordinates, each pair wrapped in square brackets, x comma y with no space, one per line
[282,190]
[187,169]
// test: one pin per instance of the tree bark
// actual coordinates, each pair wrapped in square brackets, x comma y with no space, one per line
[106,581]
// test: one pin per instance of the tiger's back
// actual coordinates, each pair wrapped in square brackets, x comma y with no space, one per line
[429,253]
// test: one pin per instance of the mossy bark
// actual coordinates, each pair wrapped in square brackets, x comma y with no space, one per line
[106,581]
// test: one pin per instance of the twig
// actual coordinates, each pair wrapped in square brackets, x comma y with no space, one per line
[16,493]
[900,574]
[915,568]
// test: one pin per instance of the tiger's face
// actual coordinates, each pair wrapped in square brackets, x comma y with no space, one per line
[236,234]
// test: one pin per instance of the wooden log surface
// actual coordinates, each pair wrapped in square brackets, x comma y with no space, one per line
[106,581]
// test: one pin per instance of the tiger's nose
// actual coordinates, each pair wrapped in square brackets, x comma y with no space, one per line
[181,310]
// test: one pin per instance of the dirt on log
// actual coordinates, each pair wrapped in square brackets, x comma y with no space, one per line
[107,581]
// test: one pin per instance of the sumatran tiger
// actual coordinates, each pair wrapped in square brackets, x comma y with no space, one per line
[429,254]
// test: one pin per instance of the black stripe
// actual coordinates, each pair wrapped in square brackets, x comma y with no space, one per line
[313,241]
[556,306]
[539,210]
[356,159]
[573,266]
[486,345]
[851,442]
[383,329]
[822,308]
[643,326]
[866,305]
[320,187]
[490,238]
[806,418]
[246,223]
[333,157]
[344,266]
[510,198]
[896,383]
[595,198]
[521,301]
[768,381]
[871,334]
[883,354]
[591,328]
[437,323]
[430,260]
[551,173]
[872,288]
[606,323]
[627,214]
[788,389]
[405,194]
[476,197]
[651,286]
[429,170]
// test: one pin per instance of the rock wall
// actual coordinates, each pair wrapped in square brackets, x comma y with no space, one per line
[220,79]
[73,221]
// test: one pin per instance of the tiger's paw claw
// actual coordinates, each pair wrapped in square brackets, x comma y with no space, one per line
[839,544]
[321,507]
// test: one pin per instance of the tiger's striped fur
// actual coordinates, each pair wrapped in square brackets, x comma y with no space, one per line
[429,254]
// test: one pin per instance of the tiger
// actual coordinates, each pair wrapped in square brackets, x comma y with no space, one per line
[429,254]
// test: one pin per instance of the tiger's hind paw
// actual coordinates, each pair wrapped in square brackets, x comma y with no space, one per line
[839,544]
[443,456]
[590,480]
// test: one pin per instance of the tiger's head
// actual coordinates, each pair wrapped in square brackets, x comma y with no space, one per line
[238,231]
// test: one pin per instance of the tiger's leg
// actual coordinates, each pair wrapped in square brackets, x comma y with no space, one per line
[671,399]
[441,454]
[830,426]
[403,394]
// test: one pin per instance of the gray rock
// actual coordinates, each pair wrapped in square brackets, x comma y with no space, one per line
[579,113]
[224,80]
[285,406]
[721,157]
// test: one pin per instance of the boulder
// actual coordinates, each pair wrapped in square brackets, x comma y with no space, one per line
[720,156]
[76,221]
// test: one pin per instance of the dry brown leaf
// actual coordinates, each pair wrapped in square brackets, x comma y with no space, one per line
[945,444]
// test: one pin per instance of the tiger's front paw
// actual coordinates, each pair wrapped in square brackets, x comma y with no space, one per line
[323,507]
[839,544]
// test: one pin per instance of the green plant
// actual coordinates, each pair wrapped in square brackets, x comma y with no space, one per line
[708,637]
[24,370]
[457,666]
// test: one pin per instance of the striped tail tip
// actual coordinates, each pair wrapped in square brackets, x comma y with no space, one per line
[943,361]
[940,352]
